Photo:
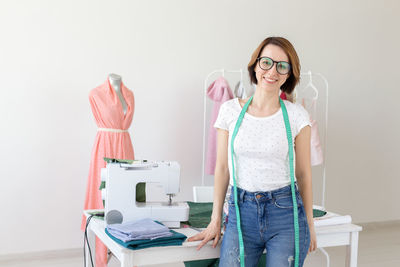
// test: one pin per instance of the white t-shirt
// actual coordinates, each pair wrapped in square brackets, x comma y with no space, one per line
[261,146]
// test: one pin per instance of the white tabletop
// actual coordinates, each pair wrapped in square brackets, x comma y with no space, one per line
[327,236]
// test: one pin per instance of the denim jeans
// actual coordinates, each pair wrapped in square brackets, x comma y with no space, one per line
[267,223]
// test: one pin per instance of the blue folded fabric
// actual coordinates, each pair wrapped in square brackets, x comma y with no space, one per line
[141,229]
[175,240]
[126,238]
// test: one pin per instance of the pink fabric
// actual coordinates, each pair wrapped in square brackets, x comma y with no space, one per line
[108,113]
[316,149]
[219,91]
[317,157]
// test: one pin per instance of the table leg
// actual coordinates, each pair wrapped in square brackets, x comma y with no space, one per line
[126,261]
[352,250]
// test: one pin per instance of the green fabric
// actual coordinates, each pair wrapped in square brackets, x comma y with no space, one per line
[215,262]
[97,214]
[111,160]
[318,213]
[102,185]
[176,240]
[199,214]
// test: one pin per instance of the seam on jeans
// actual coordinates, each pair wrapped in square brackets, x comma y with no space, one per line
[241,196]
[298,198]
[260,220]
[266,220]
[306,234]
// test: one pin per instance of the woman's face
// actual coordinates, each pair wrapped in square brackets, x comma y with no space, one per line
[271,79]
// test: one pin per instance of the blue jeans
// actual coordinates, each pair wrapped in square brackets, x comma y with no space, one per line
[267,223]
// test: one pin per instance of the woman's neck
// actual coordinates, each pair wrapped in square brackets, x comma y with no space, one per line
[264,100]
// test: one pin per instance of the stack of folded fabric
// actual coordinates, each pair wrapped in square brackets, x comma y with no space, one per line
[144,233]
[332,219]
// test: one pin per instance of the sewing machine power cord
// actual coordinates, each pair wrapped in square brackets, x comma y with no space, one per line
[86,242]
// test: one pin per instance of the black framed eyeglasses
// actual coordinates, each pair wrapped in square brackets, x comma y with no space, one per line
[266,63]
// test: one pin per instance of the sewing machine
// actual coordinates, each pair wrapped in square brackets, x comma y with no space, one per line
[120,192]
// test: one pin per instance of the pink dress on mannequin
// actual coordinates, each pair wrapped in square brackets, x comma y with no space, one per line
[112,143]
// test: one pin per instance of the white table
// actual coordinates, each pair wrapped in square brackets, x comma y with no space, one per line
[327,236]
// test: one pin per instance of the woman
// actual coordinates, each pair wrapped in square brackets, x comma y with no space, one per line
[262,166]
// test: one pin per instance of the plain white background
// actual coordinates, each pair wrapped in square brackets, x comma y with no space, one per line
[52,53]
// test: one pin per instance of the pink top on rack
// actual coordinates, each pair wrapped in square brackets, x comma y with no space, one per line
[316,148]
[219,91]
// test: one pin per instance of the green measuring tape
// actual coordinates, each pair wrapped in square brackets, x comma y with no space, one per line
[291,168]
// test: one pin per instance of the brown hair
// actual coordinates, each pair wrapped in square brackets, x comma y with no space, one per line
[294,74]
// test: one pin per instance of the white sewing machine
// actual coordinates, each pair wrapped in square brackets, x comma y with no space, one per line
[120,192]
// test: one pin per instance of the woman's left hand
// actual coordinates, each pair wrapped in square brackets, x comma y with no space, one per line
[313,240]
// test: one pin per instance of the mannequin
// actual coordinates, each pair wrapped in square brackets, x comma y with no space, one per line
[115,81]
[112,141]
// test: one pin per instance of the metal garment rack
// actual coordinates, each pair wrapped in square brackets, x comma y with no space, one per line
[325,138]
[222,71]
[205,193]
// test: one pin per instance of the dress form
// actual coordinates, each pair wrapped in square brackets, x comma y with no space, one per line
[112,106]
[115,81]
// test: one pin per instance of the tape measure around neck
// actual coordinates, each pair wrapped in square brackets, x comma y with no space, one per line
[292,185]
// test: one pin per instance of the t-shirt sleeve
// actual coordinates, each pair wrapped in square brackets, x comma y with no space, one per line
[302,118]
[222,120]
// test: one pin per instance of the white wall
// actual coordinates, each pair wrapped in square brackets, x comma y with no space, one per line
[52,53]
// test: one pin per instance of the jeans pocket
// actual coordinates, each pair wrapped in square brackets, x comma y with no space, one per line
[231,200]
[286,201]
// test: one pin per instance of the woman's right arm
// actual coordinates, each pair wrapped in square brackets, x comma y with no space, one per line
[221,180]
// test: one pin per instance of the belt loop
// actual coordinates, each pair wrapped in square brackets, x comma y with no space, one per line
[242,195]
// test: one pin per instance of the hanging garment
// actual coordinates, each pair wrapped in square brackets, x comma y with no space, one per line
[240,91]
[316,148]
[219,91]
[112,141]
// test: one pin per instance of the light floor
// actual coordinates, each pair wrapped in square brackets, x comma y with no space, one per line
[379,246]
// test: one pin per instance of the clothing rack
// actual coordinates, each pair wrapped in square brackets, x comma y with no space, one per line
[325,136]
[205,193]
[222,71]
